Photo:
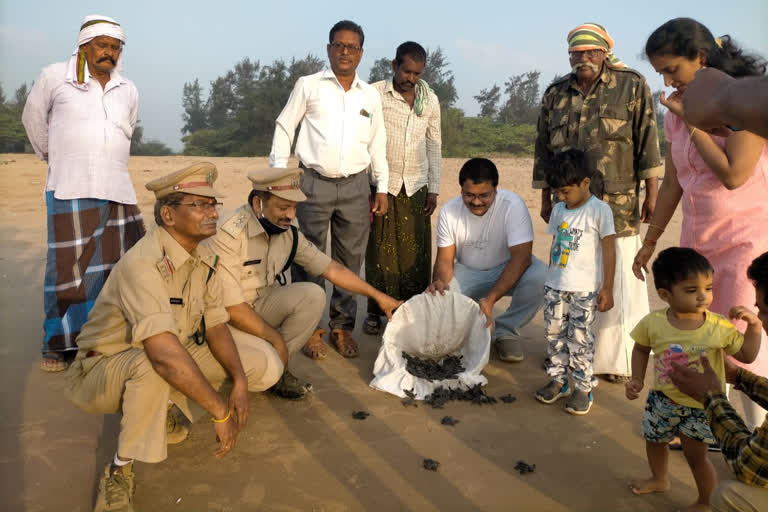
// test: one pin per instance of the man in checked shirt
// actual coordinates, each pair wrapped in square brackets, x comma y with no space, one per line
[745,452]
[399,254]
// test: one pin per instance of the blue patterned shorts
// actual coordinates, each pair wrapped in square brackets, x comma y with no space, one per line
[664,419]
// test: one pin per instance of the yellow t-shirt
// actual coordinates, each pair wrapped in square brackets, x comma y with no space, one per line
[685,347]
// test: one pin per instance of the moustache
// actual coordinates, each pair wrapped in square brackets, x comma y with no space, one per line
[285,220]
[588,65]
[105,59]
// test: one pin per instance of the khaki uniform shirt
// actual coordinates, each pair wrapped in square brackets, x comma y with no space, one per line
[250,259]
[156,287]
[615,124]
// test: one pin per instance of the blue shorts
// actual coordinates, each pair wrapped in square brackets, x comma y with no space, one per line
[664,419]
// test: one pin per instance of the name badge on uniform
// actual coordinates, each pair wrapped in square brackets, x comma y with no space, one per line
[251,262]
[177,301]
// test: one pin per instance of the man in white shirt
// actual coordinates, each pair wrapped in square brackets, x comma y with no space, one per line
[399,254]
[79,117]
[342,134]
[484,251]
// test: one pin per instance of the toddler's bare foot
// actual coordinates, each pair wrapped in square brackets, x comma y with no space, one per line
[696,507]
[648,486]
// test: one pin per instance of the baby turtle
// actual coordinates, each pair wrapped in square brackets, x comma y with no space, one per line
[430,464]
[523,467]
[449,420]
[360,415]
[508,398]
[409,402]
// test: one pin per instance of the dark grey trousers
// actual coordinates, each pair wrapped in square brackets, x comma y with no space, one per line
[343,203]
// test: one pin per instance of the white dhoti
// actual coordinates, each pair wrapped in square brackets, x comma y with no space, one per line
[613,344]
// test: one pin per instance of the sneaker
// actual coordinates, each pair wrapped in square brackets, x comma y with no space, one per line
[552,391]
[290,387]
[510,349]
[115,490]
[580,402]
[176,425]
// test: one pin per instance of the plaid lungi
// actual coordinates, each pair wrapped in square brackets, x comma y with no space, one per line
[86,237]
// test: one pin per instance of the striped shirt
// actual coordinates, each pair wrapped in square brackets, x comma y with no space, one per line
[745,452]
[84,132]
[413,142]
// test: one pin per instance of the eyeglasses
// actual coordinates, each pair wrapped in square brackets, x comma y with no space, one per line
[591,54]
[482,197]
[202,205]
[352,49]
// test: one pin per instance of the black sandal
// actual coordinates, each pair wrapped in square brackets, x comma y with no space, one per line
[372,324]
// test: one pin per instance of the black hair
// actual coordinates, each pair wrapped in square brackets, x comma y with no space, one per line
[411,49]
[263,193]
[758,272]
[479,170]
[686,37]
[569,167]
[346,25]
[674,264]
[172,199]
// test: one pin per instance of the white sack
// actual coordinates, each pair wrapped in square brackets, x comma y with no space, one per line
[433,326]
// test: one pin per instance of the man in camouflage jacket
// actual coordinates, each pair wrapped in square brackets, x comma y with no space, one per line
[606,109]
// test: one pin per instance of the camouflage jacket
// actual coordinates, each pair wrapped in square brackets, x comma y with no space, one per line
[615,124]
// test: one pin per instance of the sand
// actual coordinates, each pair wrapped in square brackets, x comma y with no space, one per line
[311,455]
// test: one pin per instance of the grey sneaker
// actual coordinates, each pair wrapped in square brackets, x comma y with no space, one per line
[115,490]
[291,387]
[580,402]
[510,349]
[176,425]
[552,392]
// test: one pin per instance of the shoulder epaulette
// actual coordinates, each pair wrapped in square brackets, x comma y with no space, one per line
[234,225]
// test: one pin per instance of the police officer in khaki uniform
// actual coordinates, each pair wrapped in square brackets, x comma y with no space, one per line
[257,244]
[158,332]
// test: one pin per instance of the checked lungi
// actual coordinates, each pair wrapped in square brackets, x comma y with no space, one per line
[86,237]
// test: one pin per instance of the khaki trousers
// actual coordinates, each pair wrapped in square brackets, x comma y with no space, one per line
[126,382]
[295,310]
[733,496]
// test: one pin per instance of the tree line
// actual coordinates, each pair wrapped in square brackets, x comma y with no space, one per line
[237,118]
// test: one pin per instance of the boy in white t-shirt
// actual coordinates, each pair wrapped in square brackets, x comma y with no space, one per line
[579,280]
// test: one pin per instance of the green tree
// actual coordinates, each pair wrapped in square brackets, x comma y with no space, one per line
[659,122]
[149,148]
[489,101]
[440,78]
[194,115]
[13,137]
[522,105]
[381,70]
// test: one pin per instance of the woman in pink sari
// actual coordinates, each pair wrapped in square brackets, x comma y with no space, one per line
[721,180]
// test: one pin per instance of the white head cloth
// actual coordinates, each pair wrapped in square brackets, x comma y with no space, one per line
[94,26]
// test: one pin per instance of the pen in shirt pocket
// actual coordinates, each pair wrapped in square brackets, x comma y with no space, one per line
[365,113]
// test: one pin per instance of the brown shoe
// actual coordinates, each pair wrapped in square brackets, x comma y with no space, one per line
[176,425]
[345,343]
[314,348]
[116,489]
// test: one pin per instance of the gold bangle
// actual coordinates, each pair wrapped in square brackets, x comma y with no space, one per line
[652,225]
[224,420]
[692,132]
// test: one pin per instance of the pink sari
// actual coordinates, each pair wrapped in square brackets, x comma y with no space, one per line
[729,227]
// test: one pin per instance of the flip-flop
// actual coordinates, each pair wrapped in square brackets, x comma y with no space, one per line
[345,343]
[314,348]
[54,362]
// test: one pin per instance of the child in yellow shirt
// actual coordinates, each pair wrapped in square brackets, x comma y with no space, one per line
[682,334]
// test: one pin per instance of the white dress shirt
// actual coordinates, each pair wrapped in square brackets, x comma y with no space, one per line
[84,132]
[413,142]
[342,132]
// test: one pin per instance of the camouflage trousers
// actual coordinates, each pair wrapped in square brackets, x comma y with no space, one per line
[568,320]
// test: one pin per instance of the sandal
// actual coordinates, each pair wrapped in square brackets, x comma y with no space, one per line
[314,348]
[55,362]
[372,324]
[345,343]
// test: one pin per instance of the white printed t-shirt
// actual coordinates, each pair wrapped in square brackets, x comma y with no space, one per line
[483,242]
[576,259]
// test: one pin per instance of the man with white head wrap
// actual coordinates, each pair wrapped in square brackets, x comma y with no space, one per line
[80,117]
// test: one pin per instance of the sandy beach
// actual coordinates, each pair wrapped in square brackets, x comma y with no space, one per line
[311,455]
